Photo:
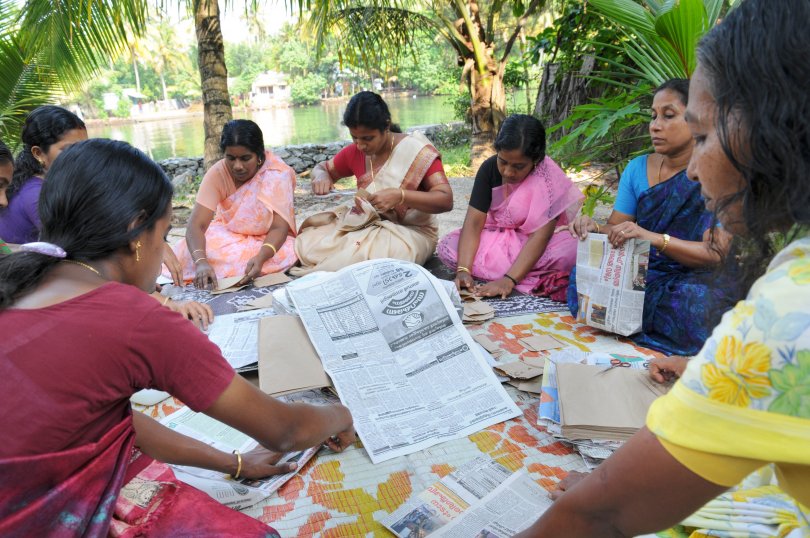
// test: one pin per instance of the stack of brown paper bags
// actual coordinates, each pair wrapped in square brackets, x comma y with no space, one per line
[287,361]
[599,404]
[477,312]
[229,284]
[271,279]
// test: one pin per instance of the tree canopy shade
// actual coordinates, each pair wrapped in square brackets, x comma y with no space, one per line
[481,33]
[49,47]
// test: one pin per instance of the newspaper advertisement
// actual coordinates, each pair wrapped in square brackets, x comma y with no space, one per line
[399,357]
[237,494]
[611,282]
[446,499]
[237,336]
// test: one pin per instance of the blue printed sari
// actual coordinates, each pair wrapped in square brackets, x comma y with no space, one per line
[681,304]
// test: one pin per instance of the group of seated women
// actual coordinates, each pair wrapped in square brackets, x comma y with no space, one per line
[82,336]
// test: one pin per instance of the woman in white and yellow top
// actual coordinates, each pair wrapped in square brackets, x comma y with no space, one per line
[744,401]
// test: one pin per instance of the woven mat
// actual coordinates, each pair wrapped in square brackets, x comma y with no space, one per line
[517,304]
[339,495]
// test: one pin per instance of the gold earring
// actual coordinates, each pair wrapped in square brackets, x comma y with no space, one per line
[138,251]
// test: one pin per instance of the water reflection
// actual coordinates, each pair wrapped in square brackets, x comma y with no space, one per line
[183,137]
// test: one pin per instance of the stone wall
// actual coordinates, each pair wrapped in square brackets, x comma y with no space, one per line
[302,157]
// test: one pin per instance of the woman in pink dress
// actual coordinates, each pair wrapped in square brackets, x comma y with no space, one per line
[243,222]
[514,232]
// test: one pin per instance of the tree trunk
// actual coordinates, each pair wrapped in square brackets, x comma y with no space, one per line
[163,85]
[137,73]
[213,77]
[487,109]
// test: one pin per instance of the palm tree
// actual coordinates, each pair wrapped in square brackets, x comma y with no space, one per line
[164,50]
[481,33]
[50,47]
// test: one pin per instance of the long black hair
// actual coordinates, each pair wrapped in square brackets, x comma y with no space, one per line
[523,132]
[677,85]
[757,65]
[5,154]
[367,109]
[95,190]
[43,127]
[243,133]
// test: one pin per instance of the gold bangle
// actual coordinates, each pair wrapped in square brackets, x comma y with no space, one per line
[198,260]
[166,300]
[197,250]
[403,196]
[597,226]
[271,246]
[665,245]
[462,269]
[238,464]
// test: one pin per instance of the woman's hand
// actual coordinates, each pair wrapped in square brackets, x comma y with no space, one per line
[260,463]
[386,199]
[205,277]
[199,314]
[503,287]
[464,280]
[668,369]
[581,225]
[339,442]
[253,269]
[173,265]
[573,478]
[321,185]
[623,231]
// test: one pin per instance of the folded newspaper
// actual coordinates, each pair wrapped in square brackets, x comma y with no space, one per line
[464,495]
[237,494]
[610,283]
[392,342]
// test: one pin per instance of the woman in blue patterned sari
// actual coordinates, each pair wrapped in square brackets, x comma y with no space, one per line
[685,295]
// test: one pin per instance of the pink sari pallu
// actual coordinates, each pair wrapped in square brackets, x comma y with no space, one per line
[68,493]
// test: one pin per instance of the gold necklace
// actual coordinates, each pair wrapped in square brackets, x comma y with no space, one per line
[371,161]
[76,262]
[660,166]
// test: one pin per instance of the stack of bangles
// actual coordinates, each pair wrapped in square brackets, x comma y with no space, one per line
[236,475]
[271,246]
[201,258]
[462,269]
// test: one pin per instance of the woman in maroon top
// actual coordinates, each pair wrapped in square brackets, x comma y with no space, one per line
[82,337]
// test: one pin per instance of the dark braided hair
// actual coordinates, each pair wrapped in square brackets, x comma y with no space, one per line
[677,85]
[5,154]
[95,190]
[367,109]
[523,132]
[243,133]
[43,127]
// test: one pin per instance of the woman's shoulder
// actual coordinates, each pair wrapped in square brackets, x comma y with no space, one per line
[637,165]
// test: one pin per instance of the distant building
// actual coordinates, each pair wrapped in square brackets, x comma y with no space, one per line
[270,89]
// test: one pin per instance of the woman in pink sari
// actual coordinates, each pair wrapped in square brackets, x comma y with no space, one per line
[514,232]
[243,222]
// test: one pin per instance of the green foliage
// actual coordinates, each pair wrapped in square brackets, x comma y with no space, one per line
[603,129]
[124,108]
[306,90]
[456,160]
[596,195]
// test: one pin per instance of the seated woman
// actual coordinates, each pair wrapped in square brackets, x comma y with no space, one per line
[243,222]
[515,232]
[742,402]
[657,201]
[406,186]
[84,338]
[46,132]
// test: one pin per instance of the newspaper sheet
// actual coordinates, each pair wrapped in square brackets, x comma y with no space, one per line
[399,357]
[610,283]
[237,336]
[507,510]
[446,499]
[237,494]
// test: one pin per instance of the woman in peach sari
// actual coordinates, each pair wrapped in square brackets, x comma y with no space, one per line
[243,222]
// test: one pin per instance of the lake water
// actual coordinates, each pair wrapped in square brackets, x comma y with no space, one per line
[183,137]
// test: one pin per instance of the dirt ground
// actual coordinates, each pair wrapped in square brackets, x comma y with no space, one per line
[307,204]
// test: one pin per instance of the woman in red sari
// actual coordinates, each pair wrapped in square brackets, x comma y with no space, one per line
[82,337]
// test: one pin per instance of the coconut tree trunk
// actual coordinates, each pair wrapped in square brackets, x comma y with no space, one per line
[487,107]
[163,85]
[213,76]
[135,70]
